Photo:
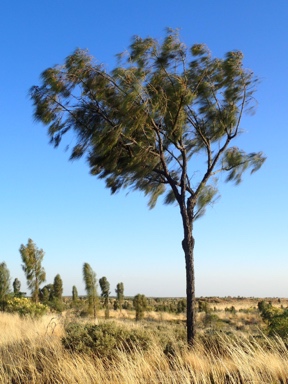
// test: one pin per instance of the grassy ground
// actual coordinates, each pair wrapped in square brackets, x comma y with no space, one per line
[231,348]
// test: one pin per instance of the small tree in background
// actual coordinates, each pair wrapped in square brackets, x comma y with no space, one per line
[74,294]
[32,258]
[140,305]
[105,292]
[120,294]
[58,287]
[89,277]
[57,301]
[46,294]
[4,285]
[17,287]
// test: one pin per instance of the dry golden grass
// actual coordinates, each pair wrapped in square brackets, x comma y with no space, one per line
[31,352]
[151,315]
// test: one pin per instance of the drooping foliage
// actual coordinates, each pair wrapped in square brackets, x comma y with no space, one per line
[140,124]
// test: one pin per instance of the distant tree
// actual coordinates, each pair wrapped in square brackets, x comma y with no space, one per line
[120,294]
[16,287]
[58,287]
[89,277]
[163,121]
[32,258]
[4,285]
[74,294]
[105,292]
[46,293]
[140,305]
[181,306]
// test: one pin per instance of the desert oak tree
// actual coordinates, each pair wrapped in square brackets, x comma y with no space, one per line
[105,292]
[4,284]
[120,294]
[163,122]
[16,286]
[32,258]
[89,277]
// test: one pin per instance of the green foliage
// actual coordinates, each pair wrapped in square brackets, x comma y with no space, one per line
[140,305]
[211,320]
[181,306]
[105,291]
[58,288]
[74,294]
[161,105]
[105,287]
[104,339]
[46,294]
[16,287]
[56,305]
[25,307]
[32,258]
[275,318]
[203,306]
[89,277]
[4,285]
[120,294]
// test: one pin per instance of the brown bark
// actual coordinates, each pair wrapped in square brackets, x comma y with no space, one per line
[188,247]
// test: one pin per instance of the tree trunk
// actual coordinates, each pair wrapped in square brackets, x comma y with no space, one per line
[188,247]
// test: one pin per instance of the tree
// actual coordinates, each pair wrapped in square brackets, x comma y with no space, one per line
[74,294]
[105,292]
[89,277]
[140,305]
[120,294]
[163,122]
[58,288]
[16,287]
[4,284]
[46,293]
[35,274]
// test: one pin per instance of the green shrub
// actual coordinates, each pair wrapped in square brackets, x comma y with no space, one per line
[231,309]
[140,304]
[104,340]
[203,306]
[25,307]
[275,318]
[279,326]
[57,305]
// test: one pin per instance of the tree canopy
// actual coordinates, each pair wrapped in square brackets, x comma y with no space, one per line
[142,123]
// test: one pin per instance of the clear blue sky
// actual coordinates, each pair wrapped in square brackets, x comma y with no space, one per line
[241,242]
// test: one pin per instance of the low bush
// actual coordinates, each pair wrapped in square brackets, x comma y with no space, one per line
[25,307]
[275,318]
[105,339]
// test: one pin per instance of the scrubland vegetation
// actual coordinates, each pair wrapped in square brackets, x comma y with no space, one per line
[235,344]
